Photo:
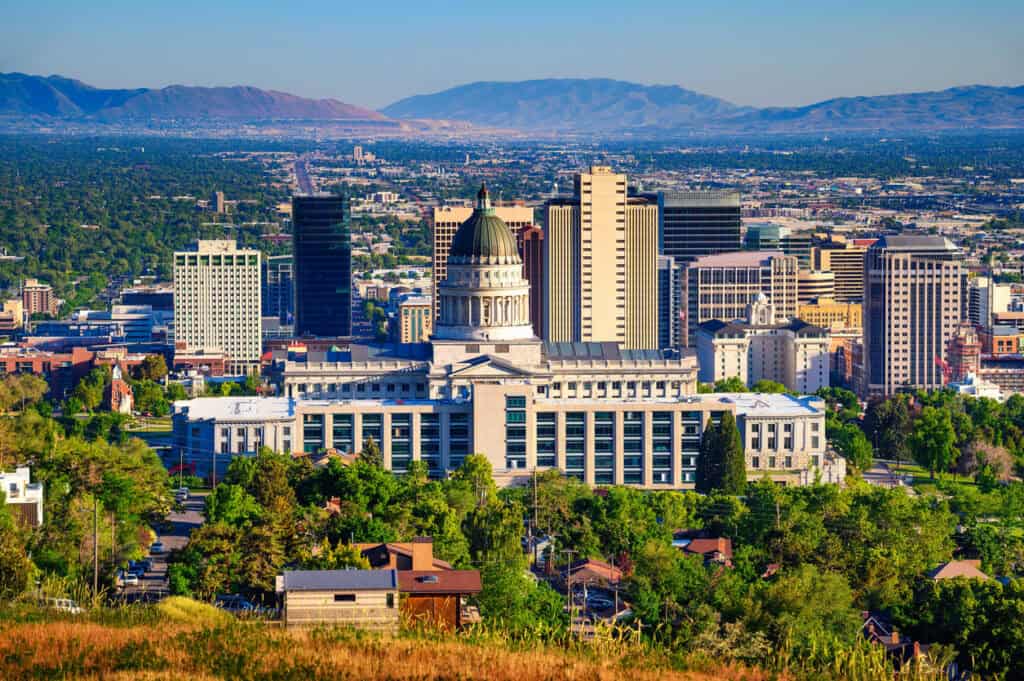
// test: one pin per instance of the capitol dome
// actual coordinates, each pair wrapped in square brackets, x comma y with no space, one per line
[484,238]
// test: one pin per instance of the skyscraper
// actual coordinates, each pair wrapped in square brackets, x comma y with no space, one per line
[217,302]
[915,299]
[322,251]
[447,219]
[768,236]
[670,292]
[722,286]
[692,224]
[600,264]
[531,249]
[278,289]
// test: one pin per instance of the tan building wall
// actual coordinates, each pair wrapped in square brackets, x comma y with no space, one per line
[601,265]
[416,322]
[830,313]
[814,285]
[369,609]
[848,266]
[445,220]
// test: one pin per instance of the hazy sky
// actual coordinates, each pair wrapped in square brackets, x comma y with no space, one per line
[372,53]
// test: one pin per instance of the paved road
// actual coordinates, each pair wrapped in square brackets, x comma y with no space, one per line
[154,583]
[883,475]
[302,176]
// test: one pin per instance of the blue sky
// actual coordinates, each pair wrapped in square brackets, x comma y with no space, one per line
[373,53]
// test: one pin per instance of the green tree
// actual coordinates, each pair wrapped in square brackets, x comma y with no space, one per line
[89,390]
[734,468]
[233,505]
[153,368]
[16,570]
[850,441]
[766,386]
[370,453]
[887,425]
[932,440]
[733,384]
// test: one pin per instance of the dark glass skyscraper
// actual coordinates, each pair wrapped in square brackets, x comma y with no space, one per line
[322,253]
[278,292]
[692,224]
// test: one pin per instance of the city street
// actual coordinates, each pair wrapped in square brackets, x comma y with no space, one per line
[153,585]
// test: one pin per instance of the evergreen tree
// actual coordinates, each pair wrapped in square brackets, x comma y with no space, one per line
[709,465]
[734,462]
[371,453]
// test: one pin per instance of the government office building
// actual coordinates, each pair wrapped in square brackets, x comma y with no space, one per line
[486,384]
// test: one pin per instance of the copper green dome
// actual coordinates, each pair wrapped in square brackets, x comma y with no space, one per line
[484,238]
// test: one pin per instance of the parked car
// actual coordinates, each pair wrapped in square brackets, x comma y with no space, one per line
[234,603]
[156,548]
[599,603]
[64,605]
[130,579]
[181,494]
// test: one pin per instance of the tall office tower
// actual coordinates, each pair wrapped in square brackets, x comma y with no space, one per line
[217,204]
[322,268]
[768,236]
[722,286]
[670,293]
[278,289]
[217,302]
[447,219]
[915,299]
[692,224]
[985,298]
[38,298]
[846,261]
[600,264]
[813,285]
[530,241]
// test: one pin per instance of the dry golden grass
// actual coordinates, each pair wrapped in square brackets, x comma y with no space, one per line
[166,651]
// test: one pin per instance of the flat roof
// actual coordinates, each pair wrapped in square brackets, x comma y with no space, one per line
[237,408]
[771,404]
[330,580]
[735,259]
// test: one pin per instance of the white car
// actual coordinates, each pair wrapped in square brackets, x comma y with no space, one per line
[181,494]
[128,579]
[64,605]
[157,547]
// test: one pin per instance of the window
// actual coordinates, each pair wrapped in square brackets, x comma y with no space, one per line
[391,600]
[345,598]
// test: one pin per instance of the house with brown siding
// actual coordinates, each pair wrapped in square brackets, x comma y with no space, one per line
[436,597]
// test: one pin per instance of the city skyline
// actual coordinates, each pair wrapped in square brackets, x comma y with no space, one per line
[779,58]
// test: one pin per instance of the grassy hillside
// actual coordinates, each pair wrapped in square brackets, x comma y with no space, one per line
[153,646]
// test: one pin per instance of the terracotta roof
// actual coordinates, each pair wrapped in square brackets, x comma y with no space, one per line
[971,569]
[594,571]
[439,581]
[703,547]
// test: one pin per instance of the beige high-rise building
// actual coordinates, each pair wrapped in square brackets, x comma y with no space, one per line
[831,314]
[38,298]
[217,302]
[446,219]
[601,264]
[847,263]
[916,299]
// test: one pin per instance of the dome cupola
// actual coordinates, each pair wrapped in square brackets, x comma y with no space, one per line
[484,238]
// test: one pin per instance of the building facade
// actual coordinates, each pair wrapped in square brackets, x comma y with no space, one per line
[415,319]
[531,250]
[600,264]
[722,286]
[916,290]
[322,269]
[694,224]
[446,220]
[831,314]
[768,236]
[38,298]
[985,299]
[811,286]
[217,302]
[846,262]
[278,288]
[761,347]
[670,294]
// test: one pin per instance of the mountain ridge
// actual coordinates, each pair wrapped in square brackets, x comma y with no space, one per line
[60,97]
[984,106]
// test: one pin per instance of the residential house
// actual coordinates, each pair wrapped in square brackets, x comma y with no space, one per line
[24,498]
[969,569]
[417,554]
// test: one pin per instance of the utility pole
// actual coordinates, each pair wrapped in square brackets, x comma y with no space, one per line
[568,579]
[95,544]
[214,470]
[533,529]
[181,467]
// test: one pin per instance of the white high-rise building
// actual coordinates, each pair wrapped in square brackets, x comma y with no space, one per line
[217,302]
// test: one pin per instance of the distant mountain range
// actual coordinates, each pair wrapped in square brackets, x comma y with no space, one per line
[566,105]
[601,105]
[55,96]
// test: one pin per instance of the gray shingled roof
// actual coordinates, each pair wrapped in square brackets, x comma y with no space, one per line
[332,580]
[597,350]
